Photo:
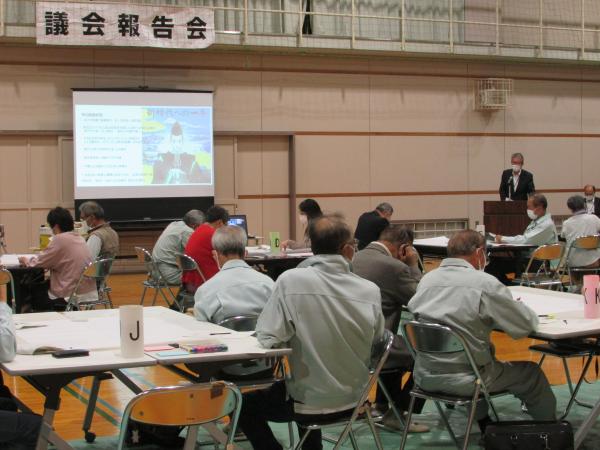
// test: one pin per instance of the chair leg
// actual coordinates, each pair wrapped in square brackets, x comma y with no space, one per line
[157,290]
[471,416]
[352,441]
[411,405]
[374,430]
[143,295]
[164,297]
[110,303]
[291,434]
[446,424]
[391,404]
[302,439]
[573,398]
[191,438]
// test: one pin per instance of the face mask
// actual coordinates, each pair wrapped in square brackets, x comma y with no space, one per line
[531,214]
[485,262]
[84,227]
[516,168]
[303,219]
[590,198]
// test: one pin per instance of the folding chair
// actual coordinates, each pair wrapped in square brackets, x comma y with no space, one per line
[545,276]
[186,264]
[248,323]
[196,405]
[6,279]
[97,271]
[154,279]
[564,351]
[581,244]
[435,339]
[379,354]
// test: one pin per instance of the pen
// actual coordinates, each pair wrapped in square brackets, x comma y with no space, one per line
[214,334]
[565,322]
[549,316]
[518,299]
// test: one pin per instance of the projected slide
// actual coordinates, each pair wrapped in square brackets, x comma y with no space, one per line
[135,144]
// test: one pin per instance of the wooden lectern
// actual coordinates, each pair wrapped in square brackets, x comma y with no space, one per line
[505,218]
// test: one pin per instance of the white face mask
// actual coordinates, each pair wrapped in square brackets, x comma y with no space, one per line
[590,198]
[303,219]
[84,227]
[516,168]
[485,262]
[532,215]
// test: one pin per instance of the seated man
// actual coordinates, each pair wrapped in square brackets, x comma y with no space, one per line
[199,247]
[392,264]
[102,240]
[459,294]
[372,223]
[237,289]
[592,203]
[173,240]
[580,224]
[330,318]
[18,431]
[65,257]
[541,229]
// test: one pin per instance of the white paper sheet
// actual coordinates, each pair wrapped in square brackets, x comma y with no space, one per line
[440,241]
[12,260]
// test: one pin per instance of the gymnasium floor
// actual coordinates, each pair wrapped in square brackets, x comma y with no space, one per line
[114,396]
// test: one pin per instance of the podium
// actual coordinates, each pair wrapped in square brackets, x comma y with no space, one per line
[505,218]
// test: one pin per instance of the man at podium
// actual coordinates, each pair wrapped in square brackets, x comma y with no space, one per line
[516,183]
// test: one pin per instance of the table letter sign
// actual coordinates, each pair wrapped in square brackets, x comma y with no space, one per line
[132,331]
[591,307]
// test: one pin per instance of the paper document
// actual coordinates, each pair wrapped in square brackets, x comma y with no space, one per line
[12,260]
[440,241]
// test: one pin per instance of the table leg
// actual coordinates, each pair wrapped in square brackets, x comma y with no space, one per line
[126,381]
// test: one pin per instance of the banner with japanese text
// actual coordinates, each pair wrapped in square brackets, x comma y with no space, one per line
[119,24]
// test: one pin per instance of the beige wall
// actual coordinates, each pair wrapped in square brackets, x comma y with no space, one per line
[366,130]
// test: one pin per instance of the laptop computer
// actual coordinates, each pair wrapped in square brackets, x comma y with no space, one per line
[239,220]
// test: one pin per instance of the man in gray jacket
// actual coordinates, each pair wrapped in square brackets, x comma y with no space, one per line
[459,294]
[392,264]
[173,240]
[330,318]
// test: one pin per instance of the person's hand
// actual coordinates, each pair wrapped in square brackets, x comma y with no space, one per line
[408,255]
[285,244]
[498,239]
[23,260]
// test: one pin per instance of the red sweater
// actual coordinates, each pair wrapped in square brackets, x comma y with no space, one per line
[199,247]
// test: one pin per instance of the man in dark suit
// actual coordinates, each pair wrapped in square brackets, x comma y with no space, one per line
[372,223]
[516,183]
[592,202]
[391,262]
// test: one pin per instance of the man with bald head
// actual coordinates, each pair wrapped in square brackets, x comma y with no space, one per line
[330,318]
[592,203]
[461,295]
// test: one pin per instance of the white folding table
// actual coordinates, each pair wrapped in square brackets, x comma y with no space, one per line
[98,332]
[566,321]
